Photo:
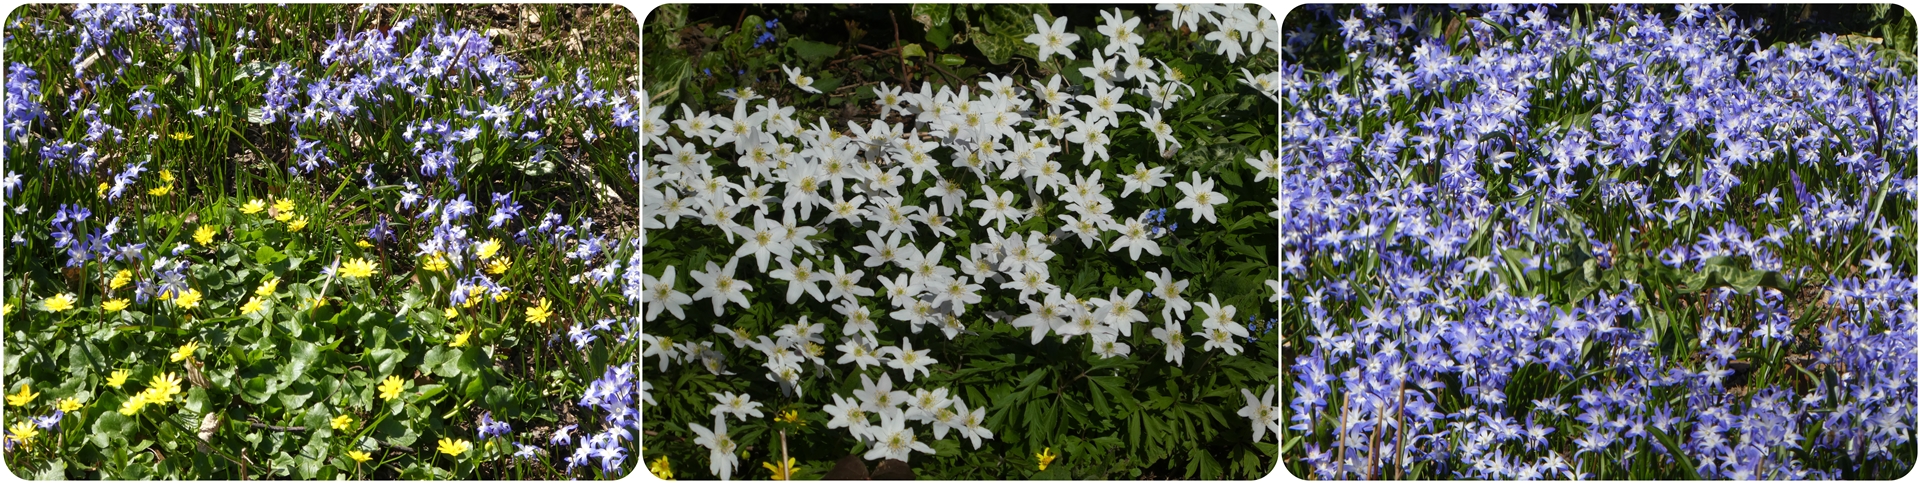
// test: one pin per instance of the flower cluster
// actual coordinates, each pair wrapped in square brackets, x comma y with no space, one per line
[1542,245]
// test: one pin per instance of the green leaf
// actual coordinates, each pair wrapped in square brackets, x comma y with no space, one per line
[812,52]
[1678,452]
[912,50]
[109,428]
[952,60]
[932,14]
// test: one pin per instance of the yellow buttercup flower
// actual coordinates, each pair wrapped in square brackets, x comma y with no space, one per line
[791,417]
[363,244]
[500,266]
[166,175]
[68,405]
[254,206]
[1046,458]
[283,210]
[450,313]
[460,340]
[435,263]
[119,377]
[297,224]
[181,136]
[189,300]
[358,268]
[267,287]
[253,305]
[161,191]
[114,305]
[661,469]
[23,397]
[134,404]
[390,388]
[540,313]
[6,309]
[204,235]
[454,447]
[186,351]
[343,422]
[102,191]
[502,296]
[23,431]
[359,456]
[120,279]
[162,388]
[488,248]
[58,302]
[781,472]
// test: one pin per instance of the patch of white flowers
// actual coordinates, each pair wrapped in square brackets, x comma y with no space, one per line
[802,178]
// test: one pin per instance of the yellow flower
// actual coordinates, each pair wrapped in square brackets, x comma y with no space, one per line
[363,244]
[358,268]
[182,136]
[454,447]
[204,235]
[120,280]
[316,302]
[343,422]
[359,456]
[461,340]
[253,206]
[186,351]
[1046,458]
[114,305]
[58,302]
[267,287]
[297,224]
[6,309]
[499,266]
[253,305]
[166,175]
[435,263]
[102,191]
[780,472]
[451,313]
[134,404]
[25,396]
[283,209]
[390,388]
[69,405]
[502,296]
[540,313]
[791,417]
[161,191]
[189,300]
[661,468]
[488,248]
[119,377]
[23,431]
[162,388]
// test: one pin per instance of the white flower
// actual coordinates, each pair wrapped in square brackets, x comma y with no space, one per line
[1200,198]
[1162,132]
[879,398]
[803,82]
[1120,32]
[1134,237]
[1105,102]
[724,456]
[892,440]
[970,423]
[1092,137]
[1165,287]
[801,278]
[1144,180]
[856,350]
[1176,342]
[848,414]
[739,405]
[1266,165]
[660,295]
[998,206]
[1052,38]
[1262,413]
[908,360]
[718,284]
[1044,316]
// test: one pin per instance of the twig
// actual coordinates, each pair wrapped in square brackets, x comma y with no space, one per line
[1400,436]
[903,63]
[258,424]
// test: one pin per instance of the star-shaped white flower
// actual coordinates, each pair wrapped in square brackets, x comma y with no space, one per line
[803,82]
[718,284]
[1262,413]
[1200,198]
[660,295]
[724,454]
[739,405]
[1052,38]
